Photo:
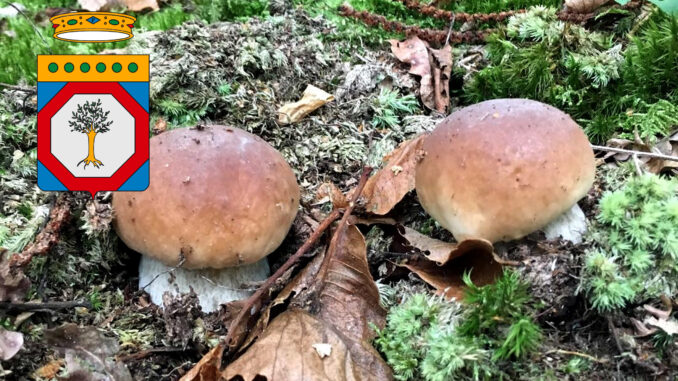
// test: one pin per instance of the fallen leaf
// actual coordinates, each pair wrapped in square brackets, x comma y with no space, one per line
[344,301]
[447,279]
[439,251]
[107,5]
[179,314]
[312,99]
[584,6]
[89,354]
[434,66]
[441,68]
[49,370]
[13,282]
[160,126]
[670,326]
[208,368]
[667,146]
[328,192]
[388,186]
[10,343]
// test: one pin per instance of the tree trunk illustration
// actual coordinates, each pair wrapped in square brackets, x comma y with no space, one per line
[90,119]
[90,159]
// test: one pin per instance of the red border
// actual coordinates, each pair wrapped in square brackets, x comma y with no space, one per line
[93,184]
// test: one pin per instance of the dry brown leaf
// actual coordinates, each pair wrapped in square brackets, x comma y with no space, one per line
[160,126]
[667,146]
[434,66]
[208,368]
[49,370]
[439,251]
[10,343]
[447,279]
[312,99]
[89,354]
[107,5]
[329,192]
[584,6]
[14,283]
[391,183]
[441,68]
[344,302]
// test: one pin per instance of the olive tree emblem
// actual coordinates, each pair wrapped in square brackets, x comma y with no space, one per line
[90,119]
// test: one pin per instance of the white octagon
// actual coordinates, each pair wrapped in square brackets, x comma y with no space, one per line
[113,147]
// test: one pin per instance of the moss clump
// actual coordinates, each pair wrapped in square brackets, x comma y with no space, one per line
[432,339]
[588,74]
[635,245]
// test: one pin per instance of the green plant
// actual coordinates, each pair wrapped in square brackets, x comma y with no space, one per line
[428,338]
[390,106]
[635,244]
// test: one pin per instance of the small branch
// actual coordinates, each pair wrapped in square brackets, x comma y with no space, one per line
[584,355]
[148,352]
[43,306]
[49,235]
[250,307]
[19,88]
[638,153]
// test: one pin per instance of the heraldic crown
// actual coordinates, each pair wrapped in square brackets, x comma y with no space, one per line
[93,26]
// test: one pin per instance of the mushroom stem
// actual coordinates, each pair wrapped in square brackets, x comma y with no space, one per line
[213,286]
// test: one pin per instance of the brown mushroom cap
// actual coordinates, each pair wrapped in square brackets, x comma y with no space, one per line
[504,168]
[219,196]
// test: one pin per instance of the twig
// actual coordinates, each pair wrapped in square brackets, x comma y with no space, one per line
[250,305]
[632,152]
[430,35]
[39,306]
[35,28]
[19,88]
[148,352]
[182,260]
[432,11]
[584,355]
[49,235]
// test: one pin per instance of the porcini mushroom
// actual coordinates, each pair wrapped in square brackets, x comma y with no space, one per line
[501,169]
[220,200]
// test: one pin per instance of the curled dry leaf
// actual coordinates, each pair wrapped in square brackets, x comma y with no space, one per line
[391,183]
[439,251]
[584,6]
[10,343]
[14,283]
[312,99]
[344,302]
[667,146]
[89,354]
[445,264]
[432,65]
[208,368]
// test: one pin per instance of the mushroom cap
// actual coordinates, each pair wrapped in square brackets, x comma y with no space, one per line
[503,168]
[218,196]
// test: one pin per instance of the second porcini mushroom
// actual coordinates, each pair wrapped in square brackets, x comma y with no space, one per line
[220,200]
[501,169]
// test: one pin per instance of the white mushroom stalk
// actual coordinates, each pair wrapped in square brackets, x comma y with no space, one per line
[220,200]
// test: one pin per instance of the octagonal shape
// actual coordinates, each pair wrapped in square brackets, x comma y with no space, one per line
[113,147]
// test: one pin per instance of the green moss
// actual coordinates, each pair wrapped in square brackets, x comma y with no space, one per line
[635,254]
[428,338]
[390,106]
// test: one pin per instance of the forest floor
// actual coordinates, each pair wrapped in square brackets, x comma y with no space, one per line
[239,73]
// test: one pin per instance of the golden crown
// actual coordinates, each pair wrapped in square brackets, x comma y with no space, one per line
[93,26]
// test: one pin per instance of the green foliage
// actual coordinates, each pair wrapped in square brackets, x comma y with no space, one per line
[165,18]
[635,254]
[212,11]
[427,338]
[586,74]
[390,106]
